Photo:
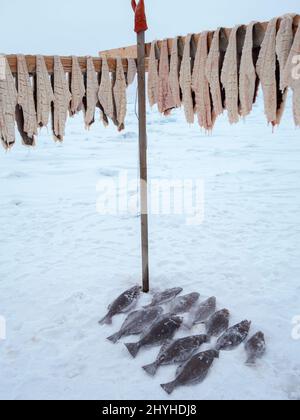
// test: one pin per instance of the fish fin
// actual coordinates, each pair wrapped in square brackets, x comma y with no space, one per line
[106,320]
[115,337]
[133,348]
[151,369]
[169,388]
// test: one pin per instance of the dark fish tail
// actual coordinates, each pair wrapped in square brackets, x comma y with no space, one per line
[115,337]
[133,348]
[151,369]
[106,320]
[169,388]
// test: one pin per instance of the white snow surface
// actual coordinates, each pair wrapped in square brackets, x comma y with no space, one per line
[61,263]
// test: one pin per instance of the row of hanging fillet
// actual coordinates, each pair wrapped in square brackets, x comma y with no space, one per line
[216,73]
[32,101]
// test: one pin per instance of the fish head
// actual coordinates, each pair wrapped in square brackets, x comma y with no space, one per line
[245,325]
[136,290]
[225,313]
[212,302]
[260,336]
[258,339]
[177,290]
[212,354]
[194,297]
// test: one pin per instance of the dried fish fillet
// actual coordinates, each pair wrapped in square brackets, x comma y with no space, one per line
[26,112]
[284,42]
[77,88]
[153,76]
[229,78]
[120,97]
[165,98]
[200,85]
[291,77]
[62,100]
[132,71]
[105,93]
[186,81]
[91,98]
[248,77]
[213,70]
[8,103]
[44,92]
[174,73]
[268,73]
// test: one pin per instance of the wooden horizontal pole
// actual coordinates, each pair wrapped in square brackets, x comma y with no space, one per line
[66,62]
[131,51]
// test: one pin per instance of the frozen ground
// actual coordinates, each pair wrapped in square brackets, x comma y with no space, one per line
[61,263]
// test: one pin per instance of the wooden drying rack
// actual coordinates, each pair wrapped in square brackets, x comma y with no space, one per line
[66,62]
[141,53]
[131,51]
[124,53]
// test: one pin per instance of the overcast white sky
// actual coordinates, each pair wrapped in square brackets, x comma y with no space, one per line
[84,27]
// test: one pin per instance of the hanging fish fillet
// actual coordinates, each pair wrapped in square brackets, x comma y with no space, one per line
[174,73]
[132,71]
[229,78]
[248,78]
[113,82]
[291,77]
[120,97]
[44,92]
[105,93]
[62,100]
[91,98]
[8,103]
[200,85]
[186,81]
[213,70]
[165,98]
[153,76]
[25,113]
[268,73]
[103,116]
[77,88]
[284,42]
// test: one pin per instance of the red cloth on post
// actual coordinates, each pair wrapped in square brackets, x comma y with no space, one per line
[140,16]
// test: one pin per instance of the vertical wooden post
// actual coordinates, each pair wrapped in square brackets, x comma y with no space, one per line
[143,158]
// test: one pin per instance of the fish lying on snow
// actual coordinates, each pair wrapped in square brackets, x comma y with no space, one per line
[136,322]
[234,336]
[255,348]
[194,371]
[205,310]
[124,303]
[183,304]
[176,351]
[162,330]
[166,296]
[218,323]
